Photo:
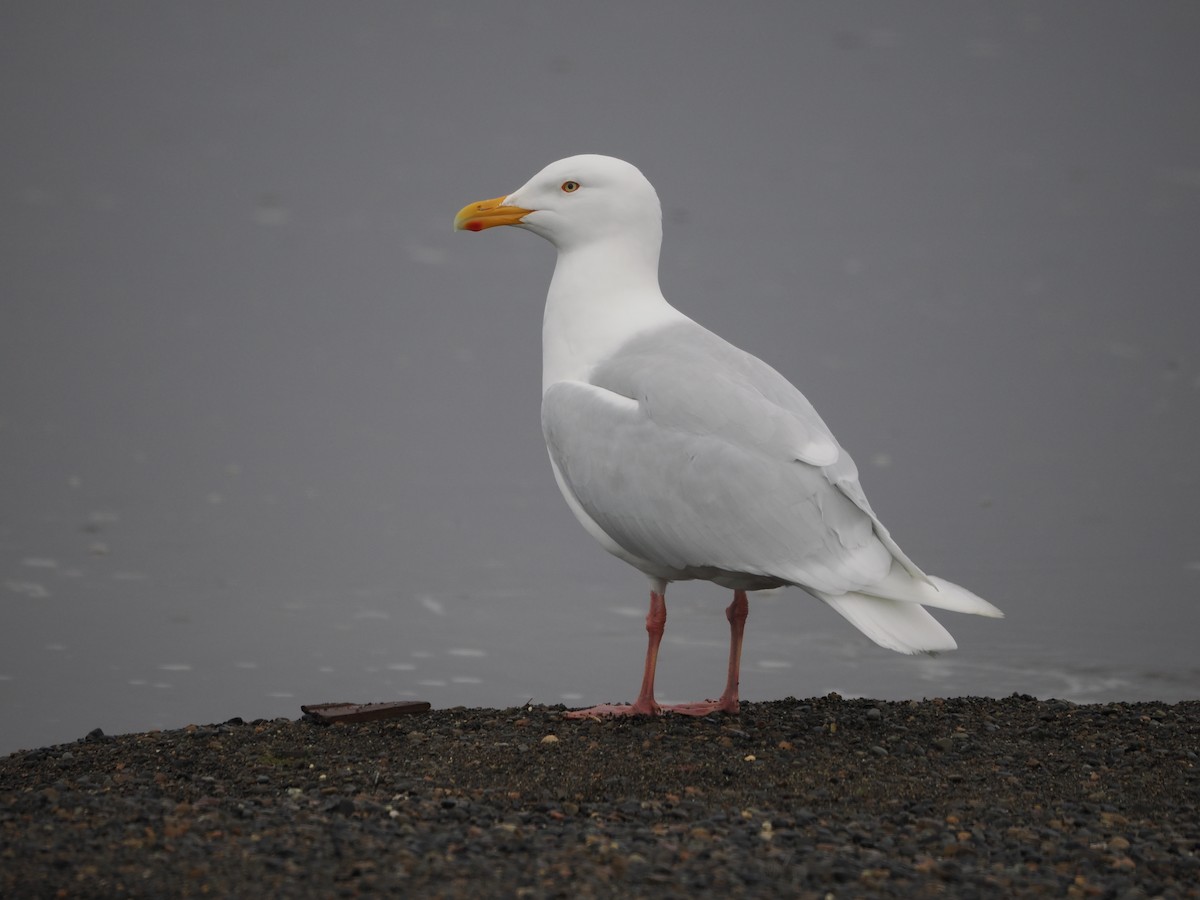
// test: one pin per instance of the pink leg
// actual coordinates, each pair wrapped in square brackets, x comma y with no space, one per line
[645,705]
[736,613]
[656,621]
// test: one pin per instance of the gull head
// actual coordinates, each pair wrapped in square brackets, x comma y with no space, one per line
[574,202]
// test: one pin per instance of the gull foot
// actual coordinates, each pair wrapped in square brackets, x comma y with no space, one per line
[705,708]
[612,711]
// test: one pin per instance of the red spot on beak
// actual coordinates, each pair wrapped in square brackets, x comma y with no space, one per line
[474,226]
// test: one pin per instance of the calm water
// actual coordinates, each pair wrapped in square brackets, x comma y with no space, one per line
[269,431]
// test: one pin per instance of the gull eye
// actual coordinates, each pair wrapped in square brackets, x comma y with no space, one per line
[570,187]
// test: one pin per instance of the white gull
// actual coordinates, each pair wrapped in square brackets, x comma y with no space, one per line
[685,456]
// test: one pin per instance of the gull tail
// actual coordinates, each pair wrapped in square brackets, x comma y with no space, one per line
[892,612]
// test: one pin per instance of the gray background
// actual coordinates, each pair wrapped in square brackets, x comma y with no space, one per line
[269,430]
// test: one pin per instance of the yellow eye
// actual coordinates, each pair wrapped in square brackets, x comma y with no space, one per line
[570,187]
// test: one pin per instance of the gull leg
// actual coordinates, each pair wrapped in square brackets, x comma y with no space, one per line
[736,613]
[645,705]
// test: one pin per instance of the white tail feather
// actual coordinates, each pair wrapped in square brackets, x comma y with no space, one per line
[896,624]
[891,612]
[898,584]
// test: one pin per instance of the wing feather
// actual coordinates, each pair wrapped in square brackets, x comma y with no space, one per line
[693,459]
[710,474]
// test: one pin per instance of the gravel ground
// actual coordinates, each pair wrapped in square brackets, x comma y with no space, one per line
[797,798]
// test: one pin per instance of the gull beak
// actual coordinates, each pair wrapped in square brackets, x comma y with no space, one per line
[488,213]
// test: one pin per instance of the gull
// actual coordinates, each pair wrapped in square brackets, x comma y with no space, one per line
[685,456]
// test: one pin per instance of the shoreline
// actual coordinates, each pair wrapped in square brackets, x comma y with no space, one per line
[1007,797]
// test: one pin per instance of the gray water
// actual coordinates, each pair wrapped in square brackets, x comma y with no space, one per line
[269,430]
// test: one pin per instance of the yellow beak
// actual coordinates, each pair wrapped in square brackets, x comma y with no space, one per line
[488,213]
